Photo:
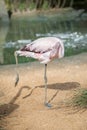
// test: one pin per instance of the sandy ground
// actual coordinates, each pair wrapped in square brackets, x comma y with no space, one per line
[24,108]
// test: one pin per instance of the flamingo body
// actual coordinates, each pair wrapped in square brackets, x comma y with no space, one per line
[43,49]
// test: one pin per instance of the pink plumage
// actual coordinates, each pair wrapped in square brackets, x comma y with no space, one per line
[43,49]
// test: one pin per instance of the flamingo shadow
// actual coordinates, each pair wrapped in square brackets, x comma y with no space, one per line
[57,86]
[30,92]
[62,86]
[6,109]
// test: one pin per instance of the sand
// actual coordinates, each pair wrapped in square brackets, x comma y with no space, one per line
[23,106]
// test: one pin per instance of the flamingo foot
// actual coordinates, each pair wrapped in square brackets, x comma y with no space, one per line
[48,105]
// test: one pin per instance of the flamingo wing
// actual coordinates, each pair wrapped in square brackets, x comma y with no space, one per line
[42,49]
[41,45]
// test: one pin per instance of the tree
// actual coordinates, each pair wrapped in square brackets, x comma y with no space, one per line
[63,4]
[59,2]
[71,3]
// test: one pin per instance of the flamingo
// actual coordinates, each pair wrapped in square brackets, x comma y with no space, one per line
[45,50]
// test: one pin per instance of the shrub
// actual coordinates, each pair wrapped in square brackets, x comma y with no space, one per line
[80,98]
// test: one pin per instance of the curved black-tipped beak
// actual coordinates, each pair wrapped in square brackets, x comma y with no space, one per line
[17,79]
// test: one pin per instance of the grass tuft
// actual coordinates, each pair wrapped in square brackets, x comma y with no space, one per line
[80,98]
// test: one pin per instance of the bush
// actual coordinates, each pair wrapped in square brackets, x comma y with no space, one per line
[32,6]
[80,98]
[45,5]
[22,7]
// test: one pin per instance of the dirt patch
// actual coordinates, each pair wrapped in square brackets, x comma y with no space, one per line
[24,108]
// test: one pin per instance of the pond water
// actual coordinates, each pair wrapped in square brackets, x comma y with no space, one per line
[21,31]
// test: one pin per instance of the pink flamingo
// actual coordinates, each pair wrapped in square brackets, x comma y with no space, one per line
[45,50]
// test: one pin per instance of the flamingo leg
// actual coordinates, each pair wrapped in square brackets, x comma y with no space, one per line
[45,79]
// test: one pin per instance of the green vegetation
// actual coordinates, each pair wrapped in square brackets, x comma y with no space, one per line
[74,51]
[43,4]
[8,4]
[32,6]
[1,122]
[80,98]
[21,6]
[1,128]
[9,57]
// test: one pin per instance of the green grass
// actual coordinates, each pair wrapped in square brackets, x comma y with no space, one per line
[32,6]
[22,6]
[72,51]
[1,121]
[80,98]
[1,128]
[45,6]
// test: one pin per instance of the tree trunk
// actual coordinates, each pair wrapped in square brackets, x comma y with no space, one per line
[15,3]
[63,4]
[27,4]
[37,4]
[71,3]
[41,3]
[59,2]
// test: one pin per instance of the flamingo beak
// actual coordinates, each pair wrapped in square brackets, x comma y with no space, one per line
[17,79]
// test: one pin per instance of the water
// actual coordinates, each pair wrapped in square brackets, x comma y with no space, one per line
[23,30]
